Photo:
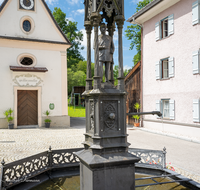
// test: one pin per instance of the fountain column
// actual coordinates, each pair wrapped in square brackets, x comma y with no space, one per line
[88,29]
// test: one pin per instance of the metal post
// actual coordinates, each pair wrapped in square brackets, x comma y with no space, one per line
[50,157]
[96,20]
[88,29]
[120,21]
[164,159]
[111,29]
[1,174]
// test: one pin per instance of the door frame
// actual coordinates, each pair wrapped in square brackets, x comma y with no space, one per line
[39,90]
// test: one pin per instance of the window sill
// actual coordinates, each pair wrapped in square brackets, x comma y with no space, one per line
[166,119]
[164,38]
[163,79]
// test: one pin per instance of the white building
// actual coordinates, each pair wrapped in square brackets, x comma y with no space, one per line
[171,65]
[33,64]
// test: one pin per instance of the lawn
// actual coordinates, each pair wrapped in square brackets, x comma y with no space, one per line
[77,111]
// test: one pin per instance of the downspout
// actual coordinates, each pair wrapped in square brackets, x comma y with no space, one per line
[141,71]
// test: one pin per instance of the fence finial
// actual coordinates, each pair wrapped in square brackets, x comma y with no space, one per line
[3,162]
[49,148]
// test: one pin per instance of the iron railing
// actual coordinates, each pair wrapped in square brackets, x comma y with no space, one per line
[16,172]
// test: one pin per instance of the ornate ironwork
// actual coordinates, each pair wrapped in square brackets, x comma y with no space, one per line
[110,115]
[154,157]
[18,171]
[62,157]
[91,115]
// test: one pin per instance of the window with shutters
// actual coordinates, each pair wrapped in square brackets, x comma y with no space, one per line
[165,68]
[165,110]
[196,106]
[166,107]
[164,27]
[195,62]
[196,12]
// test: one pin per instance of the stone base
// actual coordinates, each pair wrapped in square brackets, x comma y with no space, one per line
[58,121]
[107,171]
[117,178]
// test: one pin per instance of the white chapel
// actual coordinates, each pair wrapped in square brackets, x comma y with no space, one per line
[33,64]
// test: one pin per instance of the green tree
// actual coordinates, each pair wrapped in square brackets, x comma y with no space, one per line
[115,74]
[73,34]
[133,33]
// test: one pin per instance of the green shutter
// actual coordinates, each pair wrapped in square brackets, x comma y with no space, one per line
[171,109]
[195,12]
[195,62]
[171,66]
[170,24]
[158,106]
[196,110]
[158,70]
[157,30]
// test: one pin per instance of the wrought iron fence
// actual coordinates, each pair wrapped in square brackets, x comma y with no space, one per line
[156,158]
[16,172]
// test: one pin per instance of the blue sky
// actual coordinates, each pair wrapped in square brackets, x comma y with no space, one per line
[74,10]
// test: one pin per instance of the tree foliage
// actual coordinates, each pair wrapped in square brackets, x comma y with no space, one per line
[76,67]
[73,34]
[115,74]
[133,33]
[77,74]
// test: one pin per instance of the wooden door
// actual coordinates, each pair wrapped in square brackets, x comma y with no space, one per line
[27,107]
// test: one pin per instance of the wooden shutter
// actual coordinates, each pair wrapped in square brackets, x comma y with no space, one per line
[195,62]
[171,66]
[196,110]
[195,12]
[157,30]
[158,70]
[170,24]
[158,106]
[171,109]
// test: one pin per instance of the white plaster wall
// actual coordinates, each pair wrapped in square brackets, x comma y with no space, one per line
[188,132]
[185,86]
[44,27]
[51,85]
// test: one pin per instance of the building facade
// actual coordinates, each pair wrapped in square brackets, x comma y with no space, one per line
[170,59]
[133,88]
[33,64]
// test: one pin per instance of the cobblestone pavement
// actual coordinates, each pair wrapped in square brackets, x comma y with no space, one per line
[20,143]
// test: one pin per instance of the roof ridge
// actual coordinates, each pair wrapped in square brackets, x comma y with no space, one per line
[144,9]
[51,15]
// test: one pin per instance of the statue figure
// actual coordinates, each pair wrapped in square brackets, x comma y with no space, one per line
[106,50]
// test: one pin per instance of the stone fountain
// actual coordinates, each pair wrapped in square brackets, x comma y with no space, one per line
[105,162]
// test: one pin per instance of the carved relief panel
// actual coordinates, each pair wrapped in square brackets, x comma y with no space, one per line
[109,113]
[91,108]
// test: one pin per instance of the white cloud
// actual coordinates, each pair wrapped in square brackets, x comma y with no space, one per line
[81,11]
[127,67]
[78,12]
[135,1]
[51,2]
[70,19]
[1,1]
[73,2]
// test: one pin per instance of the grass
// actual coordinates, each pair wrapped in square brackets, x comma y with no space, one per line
[79,111]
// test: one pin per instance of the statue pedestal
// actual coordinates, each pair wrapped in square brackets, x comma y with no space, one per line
[105,172]
[105,161]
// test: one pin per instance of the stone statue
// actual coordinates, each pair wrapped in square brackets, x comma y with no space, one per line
[106,50]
